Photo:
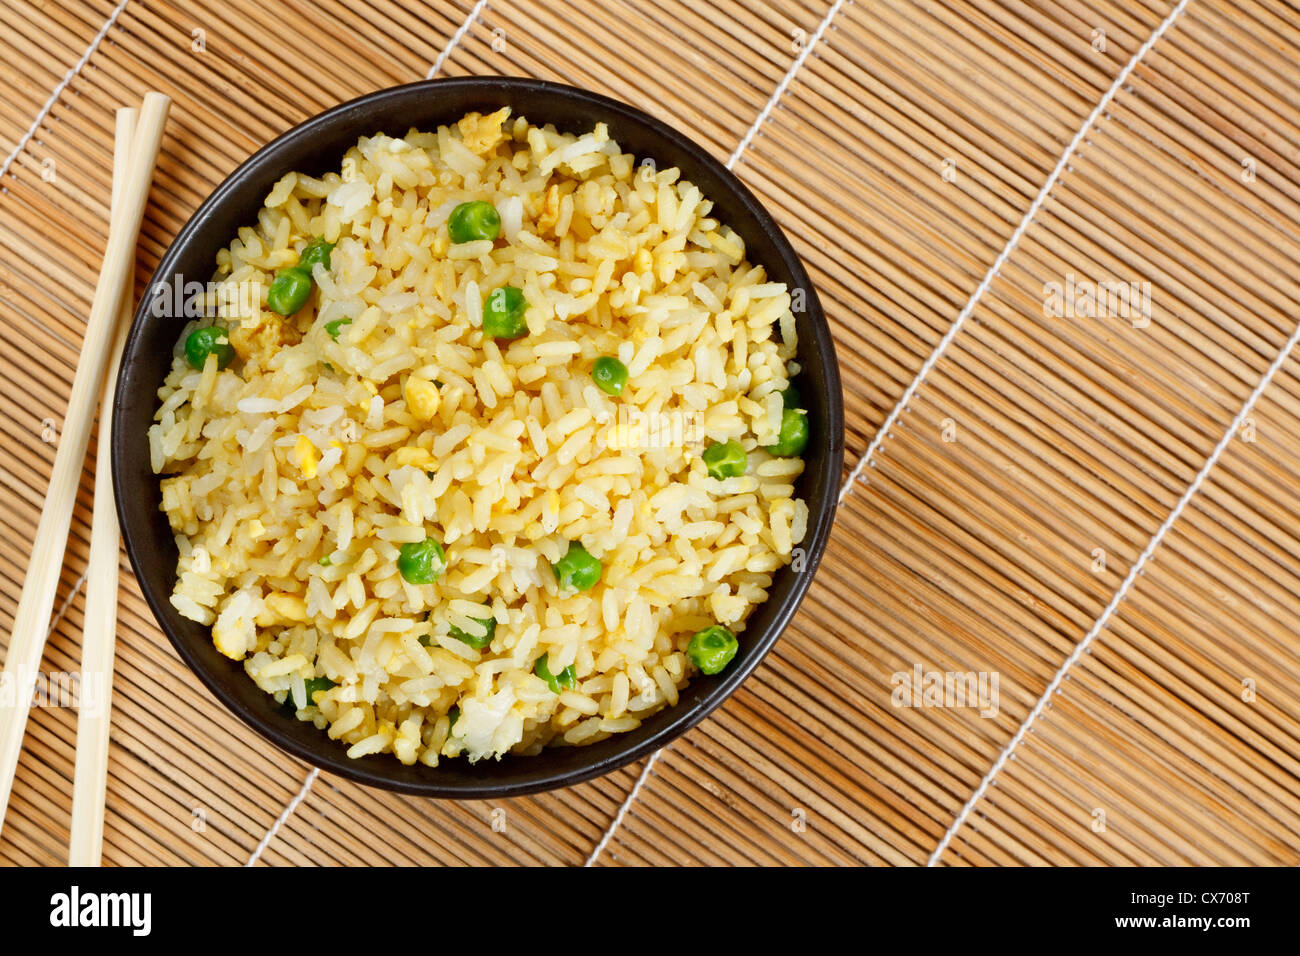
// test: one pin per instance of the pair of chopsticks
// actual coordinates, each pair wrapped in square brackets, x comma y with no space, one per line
[135,153]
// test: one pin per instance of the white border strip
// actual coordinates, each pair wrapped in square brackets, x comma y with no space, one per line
[883,432]
[315,771]
[745,142]
[58,91]
[1082,647]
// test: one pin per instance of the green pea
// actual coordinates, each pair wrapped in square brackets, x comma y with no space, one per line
[793,438]
[791,398]
[313,686]
[577,569]
[325,562]
[712,648]
[566,678]
[209,340]
[609,374]
[316,685]
[503,313]
[474,220]
[334,328]
[289,291]
[477,642]
[725,459]
[421,562]
[318,250]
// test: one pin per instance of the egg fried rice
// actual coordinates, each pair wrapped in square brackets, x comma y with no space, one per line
[380,415]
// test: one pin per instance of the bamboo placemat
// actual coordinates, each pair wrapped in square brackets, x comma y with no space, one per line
[1099,511]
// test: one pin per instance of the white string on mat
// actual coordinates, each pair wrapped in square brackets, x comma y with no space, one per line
[67,601]
[1082,647]
[58,91]
[745,142]
[781,87]
[1154,543]
[901,406]
[456,37]
[283,817]
[624,807]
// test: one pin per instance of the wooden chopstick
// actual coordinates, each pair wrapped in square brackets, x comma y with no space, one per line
[32,620]
[99,633]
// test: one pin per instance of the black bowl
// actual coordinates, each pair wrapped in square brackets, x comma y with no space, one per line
[316,146]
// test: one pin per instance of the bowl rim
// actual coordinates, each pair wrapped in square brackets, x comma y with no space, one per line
[676,720]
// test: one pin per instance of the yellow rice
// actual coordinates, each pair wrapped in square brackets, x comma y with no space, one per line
[413,423]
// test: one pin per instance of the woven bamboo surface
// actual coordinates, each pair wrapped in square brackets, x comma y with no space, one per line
[1104,516]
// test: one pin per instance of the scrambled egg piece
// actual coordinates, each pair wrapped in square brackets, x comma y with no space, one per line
[551,511]
[482,133]
[551,212]
[406,742]
[305,452]
[422,398]
[262,337]
[233,635]
[441,242]
[416,456]
[285,607]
